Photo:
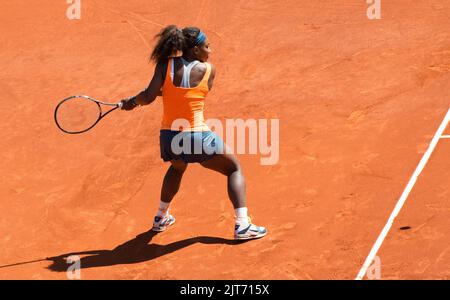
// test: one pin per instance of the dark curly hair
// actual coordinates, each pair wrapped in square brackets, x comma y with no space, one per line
[171,39]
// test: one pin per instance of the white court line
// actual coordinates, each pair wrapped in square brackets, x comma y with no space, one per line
[445,137]
[403,197]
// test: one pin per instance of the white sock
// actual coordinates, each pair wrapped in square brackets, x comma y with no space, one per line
[241,215]
[163,209]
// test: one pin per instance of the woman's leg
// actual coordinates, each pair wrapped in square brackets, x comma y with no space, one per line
[170,187]
[172,180]
[228,165]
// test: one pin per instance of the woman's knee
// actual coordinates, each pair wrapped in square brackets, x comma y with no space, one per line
[232,165]
[237,168]
[225,164]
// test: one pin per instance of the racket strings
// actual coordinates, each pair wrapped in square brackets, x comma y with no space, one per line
[77,115]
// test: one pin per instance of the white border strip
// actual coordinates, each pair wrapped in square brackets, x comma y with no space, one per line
[403,197]
[445,137]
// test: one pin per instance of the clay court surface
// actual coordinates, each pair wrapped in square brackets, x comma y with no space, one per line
[358,100]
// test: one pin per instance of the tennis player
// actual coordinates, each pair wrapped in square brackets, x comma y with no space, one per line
[183,82]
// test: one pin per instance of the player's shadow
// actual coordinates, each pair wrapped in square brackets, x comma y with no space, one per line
[134,251]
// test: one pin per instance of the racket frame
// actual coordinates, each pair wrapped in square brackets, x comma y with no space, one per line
[100,116]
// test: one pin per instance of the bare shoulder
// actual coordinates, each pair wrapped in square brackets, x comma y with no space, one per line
[201,67]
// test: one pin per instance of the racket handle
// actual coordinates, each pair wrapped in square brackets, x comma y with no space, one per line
[120,104]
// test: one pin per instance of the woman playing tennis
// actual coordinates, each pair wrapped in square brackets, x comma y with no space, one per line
[183,82]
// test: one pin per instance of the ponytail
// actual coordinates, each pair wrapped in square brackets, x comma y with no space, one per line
[171,40]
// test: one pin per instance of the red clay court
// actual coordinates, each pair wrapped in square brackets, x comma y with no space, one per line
[363,108]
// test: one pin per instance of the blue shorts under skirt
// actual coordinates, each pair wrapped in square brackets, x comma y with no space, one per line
[190,146]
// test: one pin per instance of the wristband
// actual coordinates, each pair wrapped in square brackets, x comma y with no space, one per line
[133,101]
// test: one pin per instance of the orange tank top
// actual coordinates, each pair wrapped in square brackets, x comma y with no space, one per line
[184,105]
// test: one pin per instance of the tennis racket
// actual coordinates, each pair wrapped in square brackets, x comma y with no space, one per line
[78,114]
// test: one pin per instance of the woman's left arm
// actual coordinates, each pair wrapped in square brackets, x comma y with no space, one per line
[148,95]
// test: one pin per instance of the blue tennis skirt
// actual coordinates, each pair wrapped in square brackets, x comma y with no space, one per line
[190,146]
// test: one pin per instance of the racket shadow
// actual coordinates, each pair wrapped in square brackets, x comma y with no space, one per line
[133,251]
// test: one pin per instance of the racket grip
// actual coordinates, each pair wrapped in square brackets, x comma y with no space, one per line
[120,104]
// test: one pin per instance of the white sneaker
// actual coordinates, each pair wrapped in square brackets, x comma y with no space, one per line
[248,231]
[161,224]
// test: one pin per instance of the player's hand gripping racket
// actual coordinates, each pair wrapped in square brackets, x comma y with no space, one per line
[78,114]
